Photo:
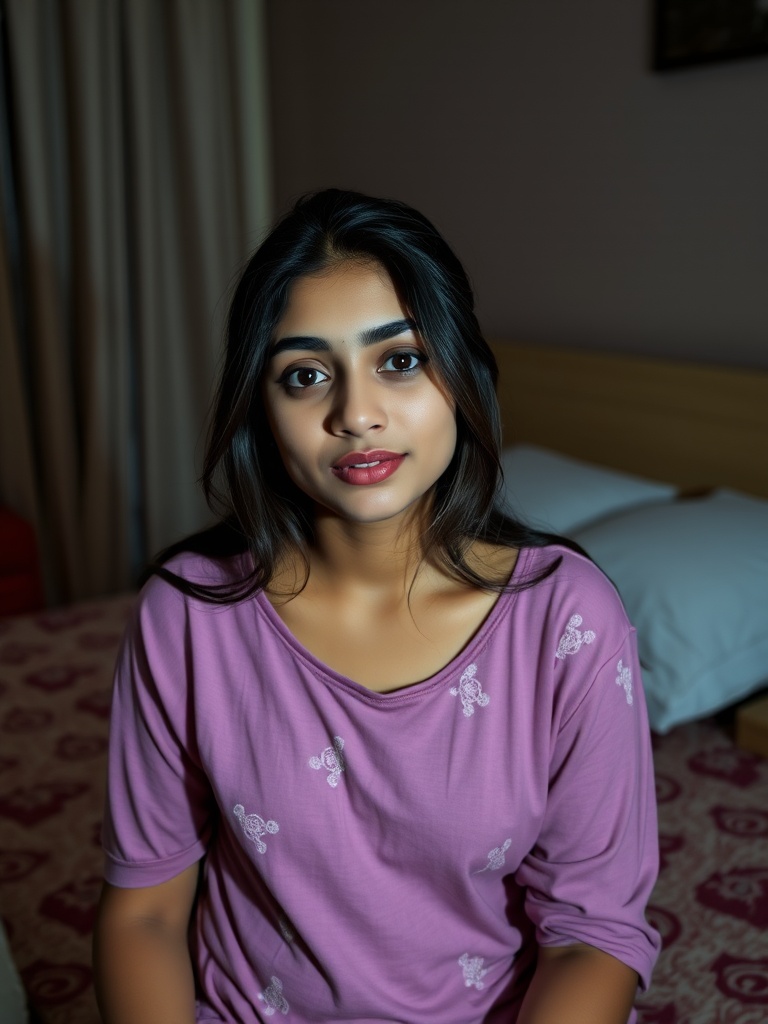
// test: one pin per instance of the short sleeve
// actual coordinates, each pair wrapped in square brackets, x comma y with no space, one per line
[592,870]
[159,803]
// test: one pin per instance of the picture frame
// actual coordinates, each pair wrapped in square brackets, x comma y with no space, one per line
[692,32]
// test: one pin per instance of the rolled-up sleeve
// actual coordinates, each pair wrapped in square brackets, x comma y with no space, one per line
[159,804]
[592,870]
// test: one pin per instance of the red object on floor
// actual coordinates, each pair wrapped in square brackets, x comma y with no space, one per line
[21,584]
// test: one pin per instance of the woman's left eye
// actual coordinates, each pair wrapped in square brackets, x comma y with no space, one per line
[403,362]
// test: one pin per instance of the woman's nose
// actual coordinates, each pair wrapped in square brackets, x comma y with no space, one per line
[358,407]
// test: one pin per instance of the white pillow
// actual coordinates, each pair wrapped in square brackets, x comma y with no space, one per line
[562,494]
[693,575]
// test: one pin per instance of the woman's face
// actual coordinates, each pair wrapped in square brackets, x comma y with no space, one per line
[358,416]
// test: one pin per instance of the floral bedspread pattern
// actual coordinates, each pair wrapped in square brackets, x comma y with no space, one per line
[711,901]
[55,676]
[710,904]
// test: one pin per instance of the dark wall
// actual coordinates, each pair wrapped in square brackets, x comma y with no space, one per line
[593,201]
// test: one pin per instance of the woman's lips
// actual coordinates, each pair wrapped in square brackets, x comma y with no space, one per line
[362,468]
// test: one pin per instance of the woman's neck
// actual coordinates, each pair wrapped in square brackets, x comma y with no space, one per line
[370,561]
[377,558]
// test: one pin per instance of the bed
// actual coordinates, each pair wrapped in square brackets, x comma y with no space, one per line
[660,471]
[603,448]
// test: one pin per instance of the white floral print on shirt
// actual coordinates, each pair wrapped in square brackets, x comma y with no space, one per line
[496,857]
[254,827]
[470,691]
[572,639]
[332,760]
[624,678]
[273,998]
[472,967]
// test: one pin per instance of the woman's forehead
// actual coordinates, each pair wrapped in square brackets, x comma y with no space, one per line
[341,303]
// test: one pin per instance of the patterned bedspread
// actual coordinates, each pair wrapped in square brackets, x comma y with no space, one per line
[710,904]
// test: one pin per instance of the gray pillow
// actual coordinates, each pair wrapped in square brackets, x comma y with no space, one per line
[561,494]
[693,576]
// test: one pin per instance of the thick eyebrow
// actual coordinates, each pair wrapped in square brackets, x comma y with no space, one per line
[387,331]
[371,336]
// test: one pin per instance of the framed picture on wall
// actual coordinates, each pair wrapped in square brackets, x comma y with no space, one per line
[690,32]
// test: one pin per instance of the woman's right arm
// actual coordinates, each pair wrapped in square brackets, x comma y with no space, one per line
[143,970]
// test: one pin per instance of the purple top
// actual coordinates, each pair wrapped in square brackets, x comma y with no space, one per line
[387,856]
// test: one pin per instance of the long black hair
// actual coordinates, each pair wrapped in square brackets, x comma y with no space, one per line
[259,508]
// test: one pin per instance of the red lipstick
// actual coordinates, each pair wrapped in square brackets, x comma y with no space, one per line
[362,468]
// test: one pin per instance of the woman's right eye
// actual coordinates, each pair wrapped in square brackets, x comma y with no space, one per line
[302,377]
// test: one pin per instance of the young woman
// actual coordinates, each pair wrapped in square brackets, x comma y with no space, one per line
[378,751]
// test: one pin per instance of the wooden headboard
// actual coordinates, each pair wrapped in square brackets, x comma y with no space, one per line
[696,426]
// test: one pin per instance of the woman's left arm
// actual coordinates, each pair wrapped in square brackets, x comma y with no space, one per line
[591,872]
[579,984]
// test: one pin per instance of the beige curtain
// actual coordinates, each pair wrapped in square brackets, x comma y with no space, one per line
[138,181]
